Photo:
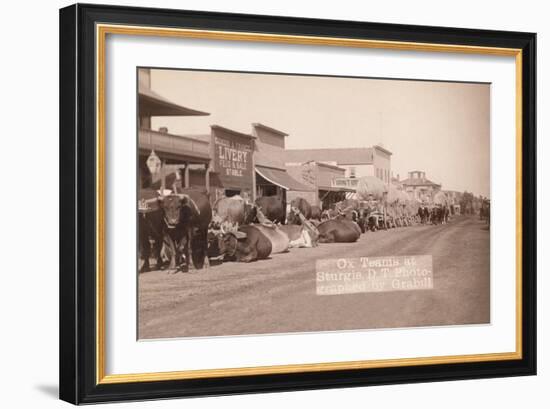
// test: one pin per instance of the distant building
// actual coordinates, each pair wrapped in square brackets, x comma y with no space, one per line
[356,162]
[396,182]
[320,177]
[419,187]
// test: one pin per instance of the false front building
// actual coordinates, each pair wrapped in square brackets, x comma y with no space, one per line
[320,177]
[271,177]
[419,187]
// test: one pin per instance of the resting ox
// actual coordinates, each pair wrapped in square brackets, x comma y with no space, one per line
[303,235]
[246,244]
[279,240]
[339,230]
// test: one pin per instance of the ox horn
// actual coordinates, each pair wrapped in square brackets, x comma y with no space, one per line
[183,197]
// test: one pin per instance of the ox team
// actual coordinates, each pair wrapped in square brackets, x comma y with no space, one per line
[182,229]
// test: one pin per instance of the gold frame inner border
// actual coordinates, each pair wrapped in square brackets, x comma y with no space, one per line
[102,30]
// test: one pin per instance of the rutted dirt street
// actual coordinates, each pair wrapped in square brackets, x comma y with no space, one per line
[279,294]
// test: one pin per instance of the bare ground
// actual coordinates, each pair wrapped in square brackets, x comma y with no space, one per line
[279,294]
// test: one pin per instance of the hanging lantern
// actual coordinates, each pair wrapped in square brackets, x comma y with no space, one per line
[153,163]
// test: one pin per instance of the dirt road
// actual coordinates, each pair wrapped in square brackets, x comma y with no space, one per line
[279,294]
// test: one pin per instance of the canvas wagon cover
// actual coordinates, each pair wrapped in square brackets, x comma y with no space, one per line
[371,186]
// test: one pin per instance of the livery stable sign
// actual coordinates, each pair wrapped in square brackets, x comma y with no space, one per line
[232,156]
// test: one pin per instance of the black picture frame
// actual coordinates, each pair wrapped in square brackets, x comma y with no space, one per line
[78,360]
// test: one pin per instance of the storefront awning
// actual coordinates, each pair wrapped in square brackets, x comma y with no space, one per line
[153,104]
[336,189]
[282,179]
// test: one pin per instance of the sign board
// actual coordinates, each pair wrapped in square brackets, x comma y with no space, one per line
[232,158]
[154,163]
[345,182]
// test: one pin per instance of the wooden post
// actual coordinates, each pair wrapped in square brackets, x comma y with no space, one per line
[162,178]
[207,176]
[253,164]
[186,177]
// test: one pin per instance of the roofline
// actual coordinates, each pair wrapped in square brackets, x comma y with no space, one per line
[327,165]
[162,100]
[421,184]
[329,149]
[356,163]
[260,125]
[231,131]
[270,167]
[346,163]
[195,135]
[380,148]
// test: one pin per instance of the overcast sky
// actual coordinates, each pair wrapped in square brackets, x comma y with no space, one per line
[442,128]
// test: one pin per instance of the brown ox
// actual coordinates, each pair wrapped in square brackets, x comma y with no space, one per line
[338,230]
[246,244]
[303,206]
[233,210]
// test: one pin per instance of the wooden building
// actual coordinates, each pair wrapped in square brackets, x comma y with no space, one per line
[356,162]
[321,178]
[271,176]
[177,151]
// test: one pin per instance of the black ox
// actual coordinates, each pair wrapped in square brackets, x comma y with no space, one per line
[150,233]
[182,222]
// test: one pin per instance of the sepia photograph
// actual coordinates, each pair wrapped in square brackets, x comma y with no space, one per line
[273,203]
